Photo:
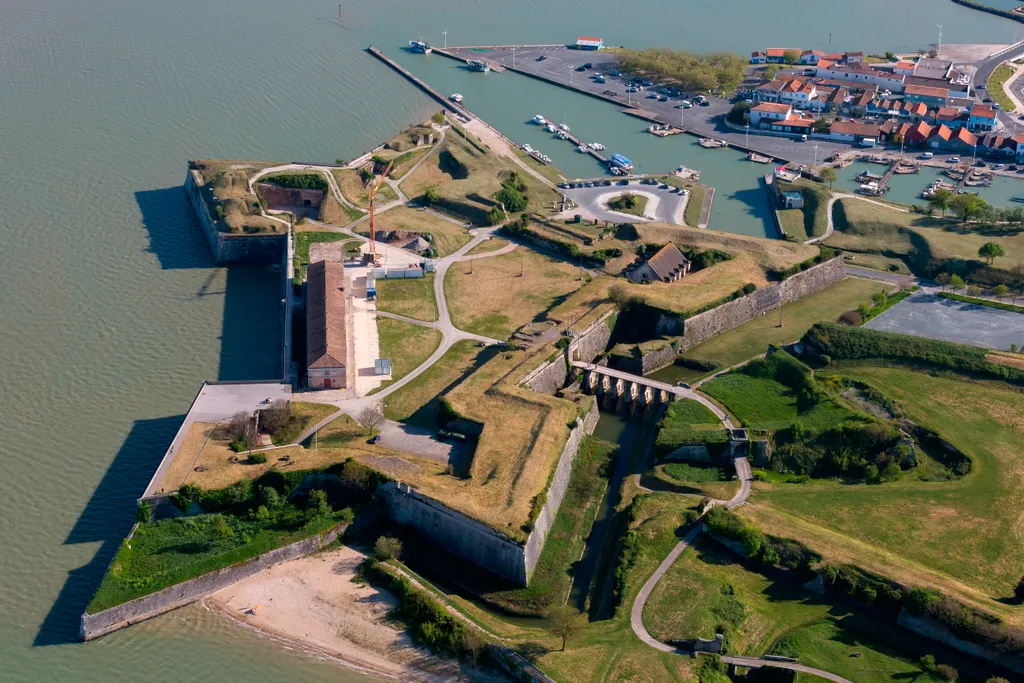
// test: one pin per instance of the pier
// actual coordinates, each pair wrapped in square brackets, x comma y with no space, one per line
[454,108]
[888,174]
[963,181]
[592,152]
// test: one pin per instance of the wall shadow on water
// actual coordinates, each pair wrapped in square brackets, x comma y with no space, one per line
[251,325]
[107,519]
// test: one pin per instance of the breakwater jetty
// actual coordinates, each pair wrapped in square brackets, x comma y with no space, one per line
[452,107]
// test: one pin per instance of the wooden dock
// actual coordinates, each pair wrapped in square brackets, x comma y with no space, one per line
[888,174]
[963,181]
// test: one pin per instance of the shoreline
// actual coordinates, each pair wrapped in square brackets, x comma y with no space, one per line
[314,605]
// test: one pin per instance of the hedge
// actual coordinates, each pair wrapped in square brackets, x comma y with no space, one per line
[564,248]
[824,254]
[850,343]
[982,302]
[300,181]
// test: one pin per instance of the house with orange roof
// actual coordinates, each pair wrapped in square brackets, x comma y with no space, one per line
[981,118]
[905,67]
[777,55]
[811,57]
[758,57]
[963,141]
[940,136]
[919,133]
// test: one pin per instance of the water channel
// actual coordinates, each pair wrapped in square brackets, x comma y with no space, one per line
[113,312]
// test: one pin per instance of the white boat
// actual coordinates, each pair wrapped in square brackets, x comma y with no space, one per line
[420,47]
[527,148]
[563,126]
[597,146]
[478,65]
[562,135]
[456,97]
[582,148]
[551,128]
[540,120]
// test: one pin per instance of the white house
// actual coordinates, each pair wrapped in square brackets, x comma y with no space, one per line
[589,43]
[811,57]
[861,74]
[765,113]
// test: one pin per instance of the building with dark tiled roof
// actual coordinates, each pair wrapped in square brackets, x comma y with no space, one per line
[326,330]
[667,265]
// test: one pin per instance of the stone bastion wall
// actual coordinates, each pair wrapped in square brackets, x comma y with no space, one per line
[233,249]
[586,346]
[706,325]
[181,594]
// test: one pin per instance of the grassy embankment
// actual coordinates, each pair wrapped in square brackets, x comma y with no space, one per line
[708,588]
[925,243]
[411,297]
[812,219]
[303,241]
[486,246]
[628,202]
[354,190]
[694,203]
[407,345]
[467,176]
[958,536]
[489,297]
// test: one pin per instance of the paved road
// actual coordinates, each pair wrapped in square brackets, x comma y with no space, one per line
[988,65]
[662,205]
[927,315]
[870,274]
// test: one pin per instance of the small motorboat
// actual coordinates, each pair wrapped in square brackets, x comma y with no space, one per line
[551,128]
[456,98]
[420,47]
[538,119]
[478,65]
[597,146]
[582,149]
[563,126]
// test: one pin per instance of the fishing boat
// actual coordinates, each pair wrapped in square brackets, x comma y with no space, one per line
[456,98]
[871,189]
[420,47]
[867,176]
[562,135]
[712,143]
[759,158]
[478,65]
[620,162]
[538,119]
[1017,199]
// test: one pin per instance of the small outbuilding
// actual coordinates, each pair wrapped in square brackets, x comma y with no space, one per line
[667,265]
[589,43]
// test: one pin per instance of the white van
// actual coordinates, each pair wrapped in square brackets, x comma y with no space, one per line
[868,142]
[926,155]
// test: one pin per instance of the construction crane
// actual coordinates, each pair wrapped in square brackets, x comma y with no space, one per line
[372,194]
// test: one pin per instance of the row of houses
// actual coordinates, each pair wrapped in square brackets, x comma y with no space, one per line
[777,55]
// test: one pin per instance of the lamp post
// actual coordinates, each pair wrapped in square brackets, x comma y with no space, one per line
[445,39]
[571,67]
[815,158]
[513,56]
[746,135]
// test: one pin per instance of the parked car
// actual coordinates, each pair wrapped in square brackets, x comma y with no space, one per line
[998,167]
[705,103]
[953,160]
[580,68]
[564,186]
[374,439]
[646,83]
[663,186]
[987,99]
[980,163]
[542,58]
[623,182]
[588,65]
[606,183]
[614,74]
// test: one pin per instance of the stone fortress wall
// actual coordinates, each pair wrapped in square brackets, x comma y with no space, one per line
[723,318]
[181,594]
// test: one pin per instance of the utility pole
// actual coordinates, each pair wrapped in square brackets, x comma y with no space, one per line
[513,56]
[815,154]
[939,49]
[571,67]
[746,133]
[339,12]
[522,272]
[445,39]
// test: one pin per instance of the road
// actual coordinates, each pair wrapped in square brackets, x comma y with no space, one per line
[662,205]
[984,72]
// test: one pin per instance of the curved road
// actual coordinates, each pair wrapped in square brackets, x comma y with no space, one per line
[636,614]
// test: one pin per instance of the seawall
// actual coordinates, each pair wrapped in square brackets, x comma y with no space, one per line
[109,620]
[231,249]
[723,318]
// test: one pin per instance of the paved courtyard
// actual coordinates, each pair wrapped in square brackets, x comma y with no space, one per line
[927,315]
[662,205]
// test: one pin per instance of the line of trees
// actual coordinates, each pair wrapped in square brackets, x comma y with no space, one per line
[687,70]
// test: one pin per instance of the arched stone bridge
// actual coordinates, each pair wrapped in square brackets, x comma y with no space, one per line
[624,392]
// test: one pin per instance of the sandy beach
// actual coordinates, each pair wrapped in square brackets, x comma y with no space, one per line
[312,603]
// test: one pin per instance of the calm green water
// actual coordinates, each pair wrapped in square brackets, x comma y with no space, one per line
[112,311]
[906,189]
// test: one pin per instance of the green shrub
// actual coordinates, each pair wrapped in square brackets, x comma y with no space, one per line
[824,254]
[982,302]
[387,548]
[301,181]
[144,514]
[257,458]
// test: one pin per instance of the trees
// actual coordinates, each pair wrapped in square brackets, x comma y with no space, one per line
[973,290]
[566,622]
[940,200]
[688,70]
[370,417]
[990,251]
[968,206]
[956,282]
[738,113]
[317,505]
[771,71]
[943,279]
[828,174]
[791,57]
[387,548]
[822,125]
[430,196]
[276,416]
[1001,291]
[241,432]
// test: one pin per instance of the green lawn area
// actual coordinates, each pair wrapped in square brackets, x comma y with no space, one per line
[170,551]
[1002,74]
[621,203]
[486,246]
[303,415]
[753,337]
[447,237]
[406,344]
[691,214]
[412,297]
[812,220]
[303,240]
[707,587]
[688,412]
[961,536]
[925,243]
[767,404]
[415,402]
[553,574]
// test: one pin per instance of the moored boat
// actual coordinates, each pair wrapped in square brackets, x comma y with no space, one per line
[538,119]
[456,98]
[478,65]
[420,47]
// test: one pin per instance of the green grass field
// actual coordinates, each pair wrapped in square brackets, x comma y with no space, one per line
[753,337]
[707,587]
[812,220]
[767,404]
[691,214]
[1002,74]
[407,345]
[303,240]
[416,401]
[412,297]
[618,202]
[961,536]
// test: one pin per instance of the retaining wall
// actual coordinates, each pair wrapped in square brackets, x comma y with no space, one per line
[557,488]
[930,628]
[706,325]
[586,346]
[117,617]
[231,249]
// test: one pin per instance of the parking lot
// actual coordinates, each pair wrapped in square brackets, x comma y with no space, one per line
[927,315]
[663,204]
[559,64]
